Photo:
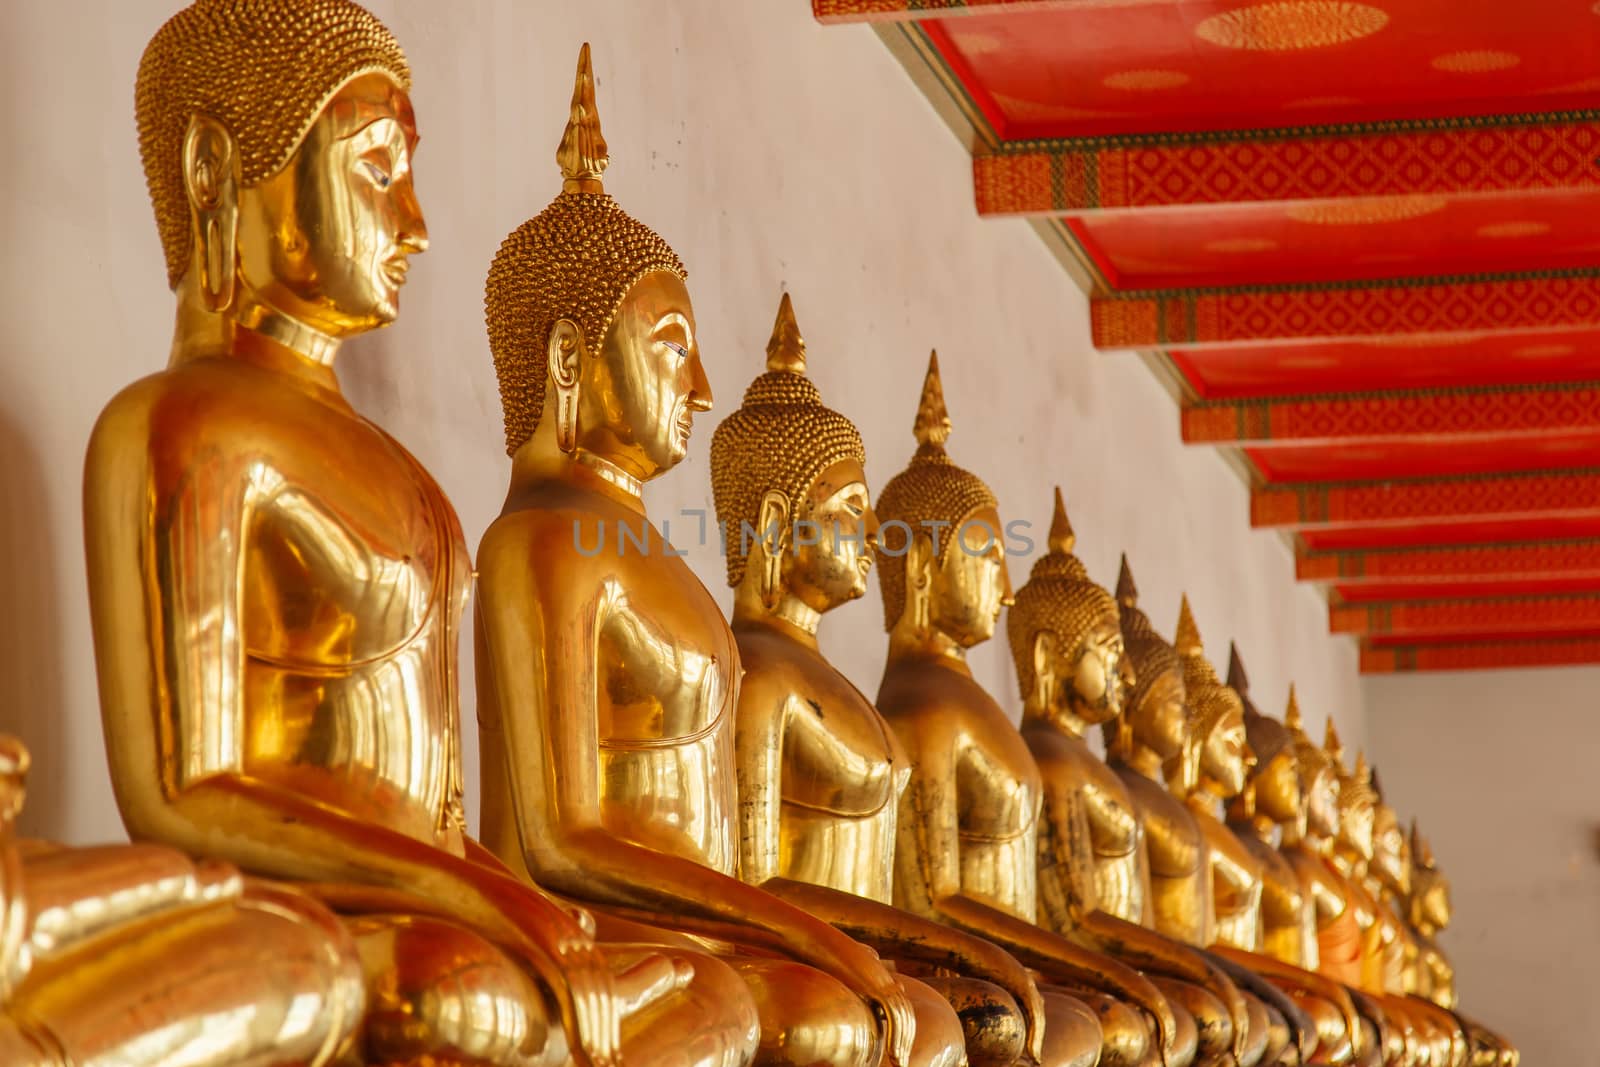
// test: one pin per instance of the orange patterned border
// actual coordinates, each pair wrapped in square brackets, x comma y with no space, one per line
[1395,416]
[1038,177]
[1403,659]
[1550,559]
[1483,305]
[1502,615]
[1574,494]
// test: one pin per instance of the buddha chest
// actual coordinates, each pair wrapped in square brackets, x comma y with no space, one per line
[1180,882]
[840,768]
[316,566]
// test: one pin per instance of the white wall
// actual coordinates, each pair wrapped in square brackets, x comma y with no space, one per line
[772,153]
[1499,768]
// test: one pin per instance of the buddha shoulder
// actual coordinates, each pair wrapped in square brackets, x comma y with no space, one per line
[213,412]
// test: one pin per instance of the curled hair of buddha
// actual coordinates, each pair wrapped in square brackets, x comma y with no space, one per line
[1210,700]
[574,260]
[265,69]
[1151,654]
[931,490]
[1356,787]
[781,437]
[1059,598]
[1267,737]
[1313,759]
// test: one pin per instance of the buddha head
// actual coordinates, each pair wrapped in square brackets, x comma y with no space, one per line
[1358,801]
[944,564]
[1431,909]
[277,139]
[1218,756]
[1319,778]
[1275,779]
[790,486]
[588,313]
[1154,716]
[1066,638]
[1391,852]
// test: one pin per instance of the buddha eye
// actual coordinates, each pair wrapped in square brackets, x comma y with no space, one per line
[683,353]
[379,176]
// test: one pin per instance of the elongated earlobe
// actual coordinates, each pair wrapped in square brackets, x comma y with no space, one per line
[562,350]
[211,178]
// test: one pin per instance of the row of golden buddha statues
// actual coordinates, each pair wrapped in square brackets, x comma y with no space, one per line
[702,845]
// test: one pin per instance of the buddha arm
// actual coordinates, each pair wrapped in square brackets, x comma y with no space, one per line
[163,600]
[538,644]
[1062,869]
[928,836]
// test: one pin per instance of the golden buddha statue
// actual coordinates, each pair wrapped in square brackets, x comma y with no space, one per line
[820,772]
[1153,737]
[967,851]
[1350,857]
[1272,799]
[1067,643]
[276,584]
[607,676]
[1307,843]
[1430,911]
[1390,882]
[137,955]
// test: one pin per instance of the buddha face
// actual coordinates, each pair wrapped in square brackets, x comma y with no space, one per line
[1158,721]
[325,240]
[828,566]
[971,584]
[1322,802]
[1434,893]
[1100,676]
[1225,756]
[1391,855]
[639,392]
[1356,825]
[1278,787]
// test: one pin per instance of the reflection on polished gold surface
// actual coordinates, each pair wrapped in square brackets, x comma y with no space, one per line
[1074,671]
[137,955]
[967,853]
[820,773]
[276,584]
[607,676]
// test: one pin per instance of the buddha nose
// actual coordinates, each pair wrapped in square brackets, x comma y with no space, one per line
[413,235]
[869,520]
[699,385]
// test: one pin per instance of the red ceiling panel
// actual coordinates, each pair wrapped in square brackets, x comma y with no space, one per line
[1331,241]
[1397,363]
[1423,458]
[1105,69]
[1544,528]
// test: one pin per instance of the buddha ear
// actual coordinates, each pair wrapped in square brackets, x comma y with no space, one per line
[563,348]
[772,539]
[920,566]
[211,179]
[1044,673]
